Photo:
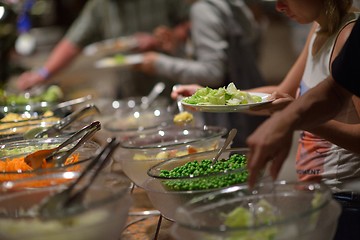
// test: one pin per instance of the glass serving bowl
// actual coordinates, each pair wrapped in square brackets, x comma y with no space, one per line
[15,151]
[29,129]
[32,111]
[15,120]
[231,172]
[16,132]
[39,111]
[125,124]
[101,216]
[110,106]
[138,153]
[271,210]
[166,194]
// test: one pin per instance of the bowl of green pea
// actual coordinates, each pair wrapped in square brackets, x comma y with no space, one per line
[177,180]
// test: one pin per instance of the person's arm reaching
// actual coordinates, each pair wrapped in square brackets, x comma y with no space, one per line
[344,129]
[61,56]
[345,135]
[272,140]
[208,38]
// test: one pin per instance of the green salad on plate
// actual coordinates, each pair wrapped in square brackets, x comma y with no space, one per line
[229,95]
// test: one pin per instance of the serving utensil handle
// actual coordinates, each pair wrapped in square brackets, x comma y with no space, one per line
[81,136]
[228,140]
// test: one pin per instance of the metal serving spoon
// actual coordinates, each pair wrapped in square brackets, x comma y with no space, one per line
[36,158]
[72,102]
[228,140]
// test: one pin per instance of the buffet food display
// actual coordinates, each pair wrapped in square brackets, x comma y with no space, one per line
[171,162]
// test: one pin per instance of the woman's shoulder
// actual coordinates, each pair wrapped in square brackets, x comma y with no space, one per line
[347,25]
[350,17]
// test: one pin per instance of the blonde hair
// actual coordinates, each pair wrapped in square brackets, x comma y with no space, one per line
[335,10]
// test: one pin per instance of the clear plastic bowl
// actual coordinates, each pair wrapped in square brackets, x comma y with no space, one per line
[32,111]
[272,210]
[28,130]
[35,109]
[167,200]
[129,123]
[110,106]
[138,153]
[102,215]
[19,149]
[17,132]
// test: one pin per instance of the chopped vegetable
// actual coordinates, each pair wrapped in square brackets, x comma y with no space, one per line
[262,213]
[183,118]
[229,95]
[10,169]
[14,123]
[14,165]
[51,94]
[120,59]
[204,168]
[175,152]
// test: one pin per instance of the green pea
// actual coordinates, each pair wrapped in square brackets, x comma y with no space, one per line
[205,167]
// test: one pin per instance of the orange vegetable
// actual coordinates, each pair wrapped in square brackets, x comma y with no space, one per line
[17,168]
[192,150]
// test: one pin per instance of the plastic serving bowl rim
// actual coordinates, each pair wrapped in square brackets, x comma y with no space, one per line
[221,131]
[165,121]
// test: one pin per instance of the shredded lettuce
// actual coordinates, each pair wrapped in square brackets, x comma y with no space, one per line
[243,217]
[229,95]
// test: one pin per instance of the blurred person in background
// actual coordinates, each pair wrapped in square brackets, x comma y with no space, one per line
[356,4]
[318,159]
[222,47]
[108,19]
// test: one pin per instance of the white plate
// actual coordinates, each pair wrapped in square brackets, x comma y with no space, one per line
[227,108]
[111,61]
[108,46]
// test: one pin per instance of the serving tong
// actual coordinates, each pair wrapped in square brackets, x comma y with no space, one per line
[35,159]
[151,97]
[68,201]
[56,129]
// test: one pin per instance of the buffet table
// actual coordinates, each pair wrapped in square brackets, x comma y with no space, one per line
[145,227]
